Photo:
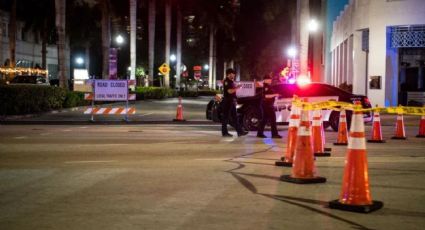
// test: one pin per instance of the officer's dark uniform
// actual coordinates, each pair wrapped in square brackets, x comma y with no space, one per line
[229,107]
[268,112]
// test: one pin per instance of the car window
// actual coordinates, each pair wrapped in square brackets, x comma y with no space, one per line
[41,80]
[31,79]
[284,90]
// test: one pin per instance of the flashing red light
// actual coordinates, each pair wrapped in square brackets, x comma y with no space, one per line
[302,80]
[366,101]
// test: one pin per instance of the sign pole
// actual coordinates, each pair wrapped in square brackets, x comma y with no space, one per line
[92,101]
[126,105]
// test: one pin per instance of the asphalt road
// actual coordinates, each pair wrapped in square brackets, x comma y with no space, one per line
[189,177]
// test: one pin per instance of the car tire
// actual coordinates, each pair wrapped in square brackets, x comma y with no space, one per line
[208,112]
[251,118]
[334,120]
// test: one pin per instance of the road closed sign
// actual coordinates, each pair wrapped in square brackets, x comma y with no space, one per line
[110,90]
[247,89]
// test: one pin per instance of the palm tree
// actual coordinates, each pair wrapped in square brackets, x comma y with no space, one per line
[12,35]
[151,25]
[106,36]
[44,26]
[83,36]
[133,7]
[167,39]
[179,45]
[60,6]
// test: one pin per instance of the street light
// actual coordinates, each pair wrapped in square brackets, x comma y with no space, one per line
[119,39]
[206,67]
[173,57]
[291,52]
[313,25]
[79,60]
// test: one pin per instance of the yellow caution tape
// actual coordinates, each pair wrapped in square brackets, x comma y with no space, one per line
[338,106]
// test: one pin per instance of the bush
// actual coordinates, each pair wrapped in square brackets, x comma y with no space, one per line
[74,99]
[188,94]
[154,93]
[208,92]
[24,99]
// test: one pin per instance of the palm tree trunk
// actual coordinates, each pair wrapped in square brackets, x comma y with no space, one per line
[12,35]
[1,44]
[133,7]
[44,45]
[60,27]
[304,14]
[167,40]
[87,61]
[211,57]
[152,15]
[106,37]
[179,46]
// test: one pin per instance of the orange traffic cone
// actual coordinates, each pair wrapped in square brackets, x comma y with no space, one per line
[342,129]
[400,134]
[294,122]
[421,127]
[179,114]
[318,135]
[303,167]
[355,193]
[376,129]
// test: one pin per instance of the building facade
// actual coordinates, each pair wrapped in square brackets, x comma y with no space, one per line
[378,46]
[28,48]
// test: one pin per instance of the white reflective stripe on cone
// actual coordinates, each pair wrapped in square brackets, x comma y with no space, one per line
[357,119]
[316,122]
[294,122]
[304,131]
[357,143]
[399,117]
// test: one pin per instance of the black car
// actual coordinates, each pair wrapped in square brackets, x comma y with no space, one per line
[29,79]
[249,111]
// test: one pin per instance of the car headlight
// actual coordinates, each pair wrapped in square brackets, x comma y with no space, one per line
[238,106]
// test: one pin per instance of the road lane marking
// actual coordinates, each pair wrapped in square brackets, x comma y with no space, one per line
[45,134]
[87,162]
[211,159]
[146,114]
[21,137]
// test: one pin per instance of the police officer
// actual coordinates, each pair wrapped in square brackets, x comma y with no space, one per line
[267,107]
[229,104]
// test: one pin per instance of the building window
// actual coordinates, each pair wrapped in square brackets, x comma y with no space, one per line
[407,36]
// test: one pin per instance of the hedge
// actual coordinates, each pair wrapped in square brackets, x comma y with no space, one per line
[154,93]
[27,99]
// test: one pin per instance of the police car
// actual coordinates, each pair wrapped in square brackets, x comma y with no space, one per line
[248,108]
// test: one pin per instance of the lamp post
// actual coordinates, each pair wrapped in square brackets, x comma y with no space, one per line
[292,54]
[312,55]
[119,41]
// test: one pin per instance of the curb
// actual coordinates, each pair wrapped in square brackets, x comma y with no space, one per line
[17,117]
